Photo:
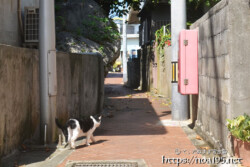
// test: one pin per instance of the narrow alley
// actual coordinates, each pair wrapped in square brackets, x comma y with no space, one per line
[170,79]
[132,129]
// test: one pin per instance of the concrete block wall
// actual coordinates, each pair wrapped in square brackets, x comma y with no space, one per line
[224,89]
[80,92]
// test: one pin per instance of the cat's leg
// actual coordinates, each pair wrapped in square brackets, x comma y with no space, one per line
[92,138]
[87,139]
[69,136]
[74,137]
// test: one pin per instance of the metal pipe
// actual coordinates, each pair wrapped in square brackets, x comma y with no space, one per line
[20,21]
[47,67]
[178,22]
[124,57]
[45,132]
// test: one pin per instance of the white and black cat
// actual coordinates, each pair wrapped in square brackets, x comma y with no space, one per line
[73,126]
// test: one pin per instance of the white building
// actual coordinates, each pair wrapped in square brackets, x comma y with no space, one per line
[132,38]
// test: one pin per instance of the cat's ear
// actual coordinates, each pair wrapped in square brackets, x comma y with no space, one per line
[100,117]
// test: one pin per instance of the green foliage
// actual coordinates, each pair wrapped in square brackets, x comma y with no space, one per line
[196,8]
[101,49]
[101,29]
[78,31]
[240,127]
[117,6]
[57,8]
[61,20]
[162,39]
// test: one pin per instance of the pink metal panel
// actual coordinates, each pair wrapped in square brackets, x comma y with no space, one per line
[188,62]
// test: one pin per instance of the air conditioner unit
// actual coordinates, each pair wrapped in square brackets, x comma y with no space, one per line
[31,25]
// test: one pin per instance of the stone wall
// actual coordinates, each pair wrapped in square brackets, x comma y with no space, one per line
[224,65]
[80,80]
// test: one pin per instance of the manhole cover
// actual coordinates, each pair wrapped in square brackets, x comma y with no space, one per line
[122,163]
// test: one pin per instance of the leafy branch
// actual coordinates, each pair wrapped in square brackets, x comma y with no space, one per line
[163,38]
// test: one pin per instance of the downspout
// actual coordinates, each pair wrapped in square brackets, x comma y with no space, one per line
[20,21]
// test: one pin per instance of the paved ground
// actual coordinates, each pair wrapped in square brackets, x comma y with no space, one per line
[132,129]
[136,126]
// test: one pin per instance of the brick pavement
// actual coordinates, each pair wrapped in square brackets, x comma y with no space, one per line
[132,130]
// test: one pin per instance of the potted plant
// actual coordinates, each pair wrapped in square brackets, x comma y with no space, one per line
[239,128]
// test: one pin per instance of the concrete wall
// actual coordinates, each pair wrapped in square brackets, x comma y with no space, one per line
[164,72]
[80,92]
[132,43]
[9,27]
[80,85]
[19,96]
[224,65]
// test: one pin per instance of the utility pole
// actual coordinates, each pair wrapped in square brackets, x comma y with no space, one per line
[124,56]
[178,22]
[48,81]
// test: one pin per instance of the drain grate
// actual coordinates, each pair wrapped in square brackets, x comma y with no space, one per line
[106,164]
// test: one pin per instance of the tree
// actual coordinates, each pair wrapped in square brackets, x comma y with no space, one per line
[117,6]
[195,8]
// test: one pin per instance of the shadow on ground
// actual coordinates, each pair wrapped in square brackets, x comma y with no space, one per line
[132,117]
[28,156]
[84,145]
[132,112]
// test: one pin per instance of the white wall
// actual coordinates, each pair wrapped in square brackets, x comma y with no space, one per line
[131,44]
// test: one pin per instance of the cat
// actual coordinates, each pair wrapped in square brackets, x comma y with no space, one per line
[73,126]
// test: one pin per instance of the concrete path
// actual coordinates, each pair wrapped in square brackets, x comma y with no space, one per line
[137,126]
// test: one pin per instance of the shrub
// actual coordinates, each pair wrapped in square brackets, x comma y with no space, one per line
[240,127]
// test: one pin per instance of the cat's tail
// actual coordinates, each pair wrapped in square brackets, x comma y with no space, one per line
[63,128]
[58,124]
